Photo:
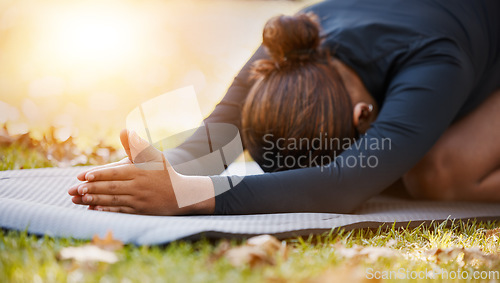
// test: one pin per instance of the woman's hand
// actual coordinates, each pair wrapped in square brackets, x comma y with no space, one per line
[149,185]
[124,138]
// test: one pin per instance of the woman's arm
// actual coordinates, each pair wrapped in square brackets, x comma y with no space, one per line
[423,99]
[131,188]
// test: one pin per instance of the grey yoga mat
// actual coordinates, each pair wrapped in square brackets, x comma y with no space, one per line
[36,200]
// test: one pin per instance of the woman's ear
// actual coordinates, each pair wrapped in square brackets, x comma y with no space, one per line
[362,116]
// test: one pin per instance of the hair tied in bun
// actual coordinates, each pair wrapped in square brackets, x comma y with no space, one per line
[300,54]
[289,40]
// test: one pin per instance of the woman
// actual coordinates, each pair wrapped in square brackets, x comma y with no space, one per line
[414,83]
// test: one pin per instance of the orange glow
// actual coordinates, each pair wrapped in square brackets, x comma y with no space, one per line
[99,39]
[92,35]
[82,66]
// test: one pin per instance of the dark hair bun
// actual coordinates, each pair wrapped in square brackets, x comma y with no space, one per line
[292,38]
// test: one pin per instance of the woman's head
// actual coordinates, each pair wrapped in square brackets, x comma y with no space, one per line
[298,100]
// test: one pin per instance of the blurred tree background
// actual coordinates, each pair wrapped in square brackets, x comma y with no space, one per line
[77,68]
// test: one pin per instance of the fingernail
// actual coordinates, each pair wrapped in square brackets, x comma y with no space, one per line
[83,190]
[88,198]
[99,208]
[90,177]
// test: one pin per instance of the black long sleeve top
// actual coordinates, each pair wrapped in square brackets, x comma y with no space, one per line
[426,63]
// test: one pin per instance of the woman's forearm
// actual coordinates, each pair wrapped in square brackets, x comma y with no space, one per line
[194,194]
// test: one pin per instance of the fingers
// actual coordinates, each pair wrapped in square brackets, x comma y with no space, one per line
[125,143]
[124,138]
[73,191]
[148,154]
[107,180]
[138,149]
[103,200]
[120,209]
[81,175]
[116,173]
[105,187]
[77,200]
[139,146]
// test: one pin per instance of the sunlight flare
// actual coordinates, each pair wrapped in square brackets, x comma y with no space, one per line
[93,35]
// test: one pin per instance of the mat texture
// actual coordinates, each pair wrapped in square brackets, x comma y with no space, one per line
[36,200]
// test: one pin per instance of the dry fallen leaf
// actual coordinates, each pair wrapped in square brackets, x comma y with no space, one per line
[372,254]
[391,243]
[61,153]
[108,242]
[257,251]
[5,138]
[267,243]
[250,255]
[219,251]
[350,274]
[99,250]
[492,232]
[462,256]
[87,253]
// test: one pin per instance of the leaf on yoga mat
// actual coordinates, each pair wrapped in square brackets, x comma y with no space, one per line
[108,242]
[87,253]
[259,250]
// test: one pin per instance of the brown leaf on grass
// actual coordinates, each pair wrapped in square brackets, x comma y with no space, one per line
[87,253]
[391,243]
[61,153]
[250,255]
[259,250]
[108,242]
[463,256]
[5,138]
[99,250]
[343,274]
[371,254]
[492,232]
[267,243]
[219,251]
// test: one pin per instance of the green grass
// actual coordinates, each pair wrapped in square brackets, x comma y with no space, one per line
[19,157]
[26,258]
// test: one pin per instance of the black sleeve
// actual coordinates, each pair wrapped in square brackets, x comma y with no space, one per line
[422,100]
